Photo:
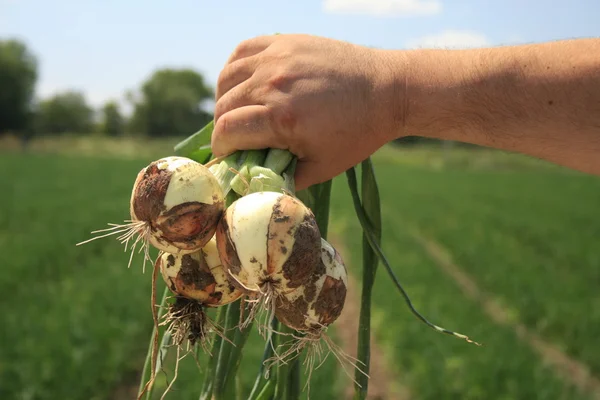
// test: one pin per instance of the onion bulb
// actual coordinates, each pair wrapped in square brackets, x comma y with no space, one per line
[310,309]
[198,276]
[270,244]
[180,200]
[318,303]
[175,206]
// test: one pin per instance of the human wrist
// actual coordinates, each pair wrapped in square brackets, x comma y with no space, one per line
[432,89]
[390,94]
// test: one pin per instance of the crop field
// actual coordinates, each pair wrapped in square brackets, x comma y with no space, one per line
[525,234]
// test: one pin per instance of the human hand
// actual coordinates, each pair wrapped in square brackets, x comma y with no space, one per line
[330,103]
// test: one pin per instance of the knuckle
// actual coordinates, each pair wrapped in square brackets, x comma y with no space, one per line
[242,48]
[230,71]
[220,109]
[277,81]
[280,80]
[284,120]
[223,77]
[221,127]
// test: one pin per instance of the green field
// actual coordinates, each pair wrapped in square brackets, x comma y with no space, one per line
[77,320]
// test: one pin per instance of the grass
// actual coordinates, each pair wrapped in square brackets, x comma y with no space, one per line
[530,237]
[73,319]
[76,320]
[526,235]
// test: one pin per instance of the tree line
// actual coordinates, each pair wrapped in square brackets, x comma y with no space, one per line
[168,103]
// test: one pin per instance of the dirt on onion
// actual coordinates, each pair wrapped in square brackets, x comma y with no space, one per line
[270,244]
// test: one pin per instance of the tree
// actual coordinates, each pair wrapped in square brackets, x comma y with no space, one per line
[18,75]
[170,103]
[66,112]
[112,120]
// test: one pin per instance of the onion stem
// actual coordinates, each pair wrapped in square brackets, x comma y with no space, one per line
[223,171]
[231,319]
[195,141]
[261,380]
[283,371]
[252,158]
[235,357]
[207,386]
[277,160]
[368,230]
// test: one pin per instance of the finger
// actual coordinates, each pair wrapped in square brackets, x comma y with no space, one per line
[239,96]
[246,128]
[235,73]
[251,47]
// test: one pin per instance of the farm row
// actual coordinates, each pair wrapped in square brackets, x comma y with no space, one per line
[77,320]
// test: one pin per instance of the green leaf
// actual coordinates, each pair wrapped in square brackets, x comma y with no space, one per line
[267,392]
[294,381]
[320,205]
[202,155]
[370,231]
[277,160]
[194,142]
[261,381]
[222,370]
[371,212]
[207,386]
[235,357]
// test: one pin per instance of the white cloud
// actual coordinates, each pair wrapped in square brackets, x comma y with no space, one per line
[450,39]
[383,8]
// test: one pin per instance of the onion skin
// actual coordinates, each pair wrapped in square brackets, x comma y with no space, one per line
[269,237]
[319,302]
[182,202]
[198,276]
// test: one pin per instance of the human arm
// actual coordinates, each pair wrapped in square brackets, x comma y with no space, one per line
[540,99]
[334,103]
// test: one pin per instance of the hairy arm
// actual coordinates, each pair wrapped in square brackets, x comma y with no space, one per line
[542,99]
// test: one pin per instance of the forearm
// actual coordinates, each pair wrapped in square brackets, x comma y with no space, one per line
[542,100]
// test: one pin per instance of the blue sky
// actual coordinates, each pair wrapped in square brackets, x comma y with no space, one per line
[105,47]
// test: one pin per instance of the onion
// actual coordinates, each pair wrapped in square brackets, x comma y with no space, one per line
[270,244]
[180,200]
[175,206]
[310,309]
[318,303]
[198,276]
[198,280]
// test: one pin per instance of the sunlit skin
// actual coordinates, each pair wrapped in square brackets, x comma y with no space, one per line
[333,103]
